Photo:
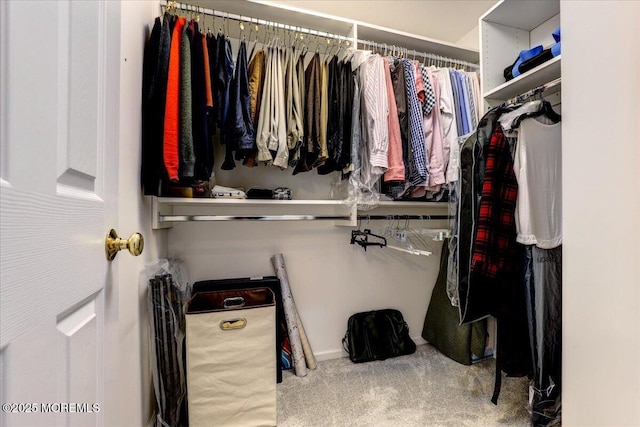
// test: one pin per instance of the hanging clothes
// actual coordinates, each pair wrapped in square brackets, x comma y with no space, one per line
[336,117]
[224,74]
[496,269]
[172,109]
[496,275]
[311,146]
[266,107]
[274,111]
[395,171]
[375,110]
[212,50]
[331,110]
[278,138]
[208,145]
[256,72]
[346,104]
[400,93]
[154,93]
[272,131]
[538,169]
[357,59]
[469,101]
[448,120]
[543,285]
[294,96]
[323,153]
[199,104]
[475,83]
[463,101]
[240,124]
[436,150]
[187,151]
[494,251]
[297,112]
[418,171]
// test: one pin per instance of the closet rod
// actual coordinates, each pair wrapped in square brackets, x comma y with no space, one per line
[219,14]
[425,55]
[407,217]
[192,218]
[535,91]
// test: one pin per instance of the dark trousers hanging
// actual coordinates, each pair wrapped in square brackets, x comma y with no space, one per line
[543,283]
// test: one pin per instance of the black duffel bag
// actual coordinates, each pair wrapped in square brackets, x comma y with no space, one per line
[377,335]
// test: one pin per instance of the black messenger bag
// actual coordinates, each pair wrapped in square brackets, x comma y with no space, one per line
[377,335]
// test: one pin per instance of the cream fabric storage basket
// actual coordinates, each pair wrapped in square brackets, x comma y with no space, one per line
[231,369]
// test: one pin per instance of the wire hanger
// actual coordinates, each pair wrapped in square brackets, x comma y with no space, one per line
[405,240]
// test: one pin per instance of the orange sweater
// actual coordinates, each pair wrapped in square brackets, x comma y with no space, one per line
[207,71]
[171,116]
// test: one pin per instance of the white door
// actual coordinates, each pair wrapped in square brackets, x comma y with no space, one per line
[59,95]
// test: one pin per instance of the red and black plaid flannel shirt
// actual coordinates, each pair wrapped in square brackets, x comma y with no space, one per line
[495,243]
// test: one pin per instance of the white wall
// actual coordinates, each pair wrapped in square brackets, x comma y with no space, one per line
[449,21]
[469,40]
[330,278]
[601,186]
[135,394]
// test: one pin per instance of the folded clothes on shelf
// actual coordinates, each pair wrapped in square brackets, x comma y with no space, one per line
[220,192]
[531,58]
[280,193]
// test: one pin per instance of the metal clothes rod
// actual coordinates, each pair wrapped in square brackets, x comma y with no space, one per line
[407,52]
[219,14]
[534,91]
[407,217]
[192,218]
[189,218]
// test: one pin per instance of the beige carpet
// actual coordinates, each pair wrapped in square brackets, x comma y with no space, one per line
[423,389]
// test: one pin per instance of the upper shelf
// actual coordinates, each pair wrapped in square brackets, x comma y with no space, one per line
[524,15]
[507,29]
[544,73]
[298,16]
[178,201]
[275,13]
[344,212]
[416,42]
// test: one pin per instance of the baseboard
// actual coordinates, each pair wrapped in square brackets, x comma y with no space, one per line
[330,354]
[338,353]
[418,340]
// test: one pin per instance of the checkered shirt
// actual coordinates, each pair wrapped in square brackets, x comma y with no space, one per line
[430,96]
[495,242]
[419,170]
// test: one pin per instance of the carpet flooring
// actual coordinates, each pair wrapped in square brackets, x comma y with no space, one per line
[422,389]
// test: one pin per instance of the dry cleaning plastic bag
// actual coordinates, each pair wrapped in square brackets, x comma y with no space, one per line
[168,289]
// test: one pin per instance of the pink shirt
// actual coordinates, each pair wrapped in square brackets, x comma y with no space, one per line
[395,171]
[434,141]
[419,83]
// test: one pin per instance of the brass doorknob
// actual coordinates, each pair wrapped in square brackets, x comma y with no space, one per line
[113,244]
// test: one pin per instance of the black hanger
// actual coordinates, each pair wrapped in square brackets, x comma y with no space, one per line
[362,238]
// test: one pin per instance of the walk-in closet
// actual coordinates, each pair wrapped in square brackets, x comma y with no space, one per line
[305,117]
[319,213]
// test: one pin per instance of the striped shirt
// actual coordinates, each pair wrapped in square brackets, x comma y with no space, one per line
[375,110]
